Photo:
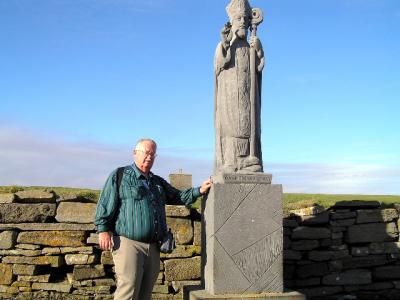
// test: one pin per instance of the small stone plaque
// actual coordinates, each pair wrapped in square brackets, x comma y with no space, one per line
[262,178]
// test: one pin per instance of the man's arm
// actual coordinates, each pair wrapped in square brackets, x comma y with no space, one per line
[106,209]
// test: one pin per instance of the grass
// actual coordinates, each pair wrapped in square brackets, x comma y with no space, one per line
[290,201]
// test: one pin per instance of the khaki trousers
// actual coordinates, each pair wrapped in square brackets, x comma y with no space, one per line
[136,266]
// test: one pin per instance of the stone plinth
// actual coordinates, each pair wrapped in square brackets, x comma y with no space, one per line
[243,231]
[203,295]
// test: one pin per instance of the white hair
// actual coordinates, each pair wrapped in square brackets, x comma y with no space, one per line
[139,142]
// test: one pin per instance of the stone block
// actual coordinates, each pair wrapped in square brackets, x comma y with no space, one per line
[7,198]
[243,230]
[88,272]
[19,212]
[48,226]
[339,215]
[93,239]
[376,215]
[317,219]
[80,259]
[197,233]
[27,246]
[58,287]
[182,269]
[106,258]
[356,204]
[34,278]
[310,233]
[349,277]
[6,274]
[323,255]
[291,255]
[359,251]
[308,211]
[386,272]
[54,261]
[342,222]
[290,223]
[307,282]
[303,245]
[75,212]
[372,232]
[161,289]
[364,261]
[35,196]
[53,238]
[322,291]
[22,252]
[312,270]
[183,251]
[19,269]
[182,230]
[381,248]
[177,211]
[8,239]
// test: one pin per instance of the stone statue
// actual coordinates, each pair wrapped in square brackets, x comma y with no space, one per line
[238,65]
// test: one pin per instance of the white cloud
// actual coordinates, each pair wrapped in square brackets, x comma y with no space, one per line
[32,158]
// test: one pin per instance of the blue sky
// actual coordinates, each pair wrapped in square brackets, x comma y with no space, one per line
[82,80]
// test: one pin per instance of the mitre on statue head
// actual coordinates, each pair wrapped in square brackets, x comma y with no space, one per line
[236,7]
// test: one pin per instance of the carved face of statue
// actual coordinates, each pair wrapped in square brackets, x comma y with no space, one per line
[240,23]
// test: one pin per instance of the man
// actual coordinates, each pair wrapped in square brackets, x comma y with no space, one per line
[133,224]
[233,107]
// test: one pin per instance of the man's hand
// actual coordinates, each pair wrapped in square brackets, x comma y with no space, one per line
[105,241]
[205,186]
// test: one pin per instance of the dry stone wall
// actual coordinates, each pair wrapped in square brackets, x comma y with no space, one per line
[49,250]
[350,251]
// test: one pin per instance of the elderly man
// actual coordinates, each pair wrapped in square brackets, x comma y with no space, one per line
[132,221]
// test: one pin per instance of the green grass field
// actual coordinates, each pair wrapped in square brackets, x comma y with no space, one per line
[290,201]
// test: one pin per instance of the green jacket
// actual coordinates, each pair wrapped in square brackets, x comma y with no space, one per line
[139,213]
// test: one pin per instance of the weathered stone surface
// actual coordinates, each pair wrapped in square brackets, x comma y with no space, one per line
[182,269]
[308,211]
[68,198]
[356,204]
[374,232]
[6,274]
[291,255]
[93,239]
[47,226]
[381,248]
[75,212]
[19,269]
[53,238]
[359,251]
[18,212]
[177,211]
[311,270]
[80,259]
[183,251]
[7,198]
[348,277]
[317,219]
[91,290]
[376,215]
[387,272]
[106,258]
[88,272]
[182,230]
[22,252]
[339,215]
[36,278]
[58,287]
[364,261]
[8,239]
[160,289]
[35,196]
[54,261]
[302,245]
[197,233]
[310,233]
[323,255]
[27,246]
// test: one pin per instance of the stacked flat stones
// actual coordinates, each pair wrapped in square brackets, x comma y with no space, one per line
[350,251]
[48,250]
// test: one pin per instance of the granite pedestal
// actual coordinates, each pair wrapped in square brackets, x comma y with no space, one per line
[243,233]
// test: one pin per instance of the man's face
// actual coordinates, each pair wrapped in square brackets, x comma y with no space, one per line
[240,23]
[145,154]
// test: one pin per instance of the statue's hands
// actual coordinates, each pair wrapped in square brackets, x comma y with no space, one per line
[226,34]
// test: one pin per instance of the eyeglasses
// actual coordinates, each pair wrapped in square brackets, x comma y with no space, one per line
[146,154]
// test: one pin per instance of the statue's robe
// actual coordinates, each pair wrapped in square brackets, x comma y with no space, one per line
[233,107]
